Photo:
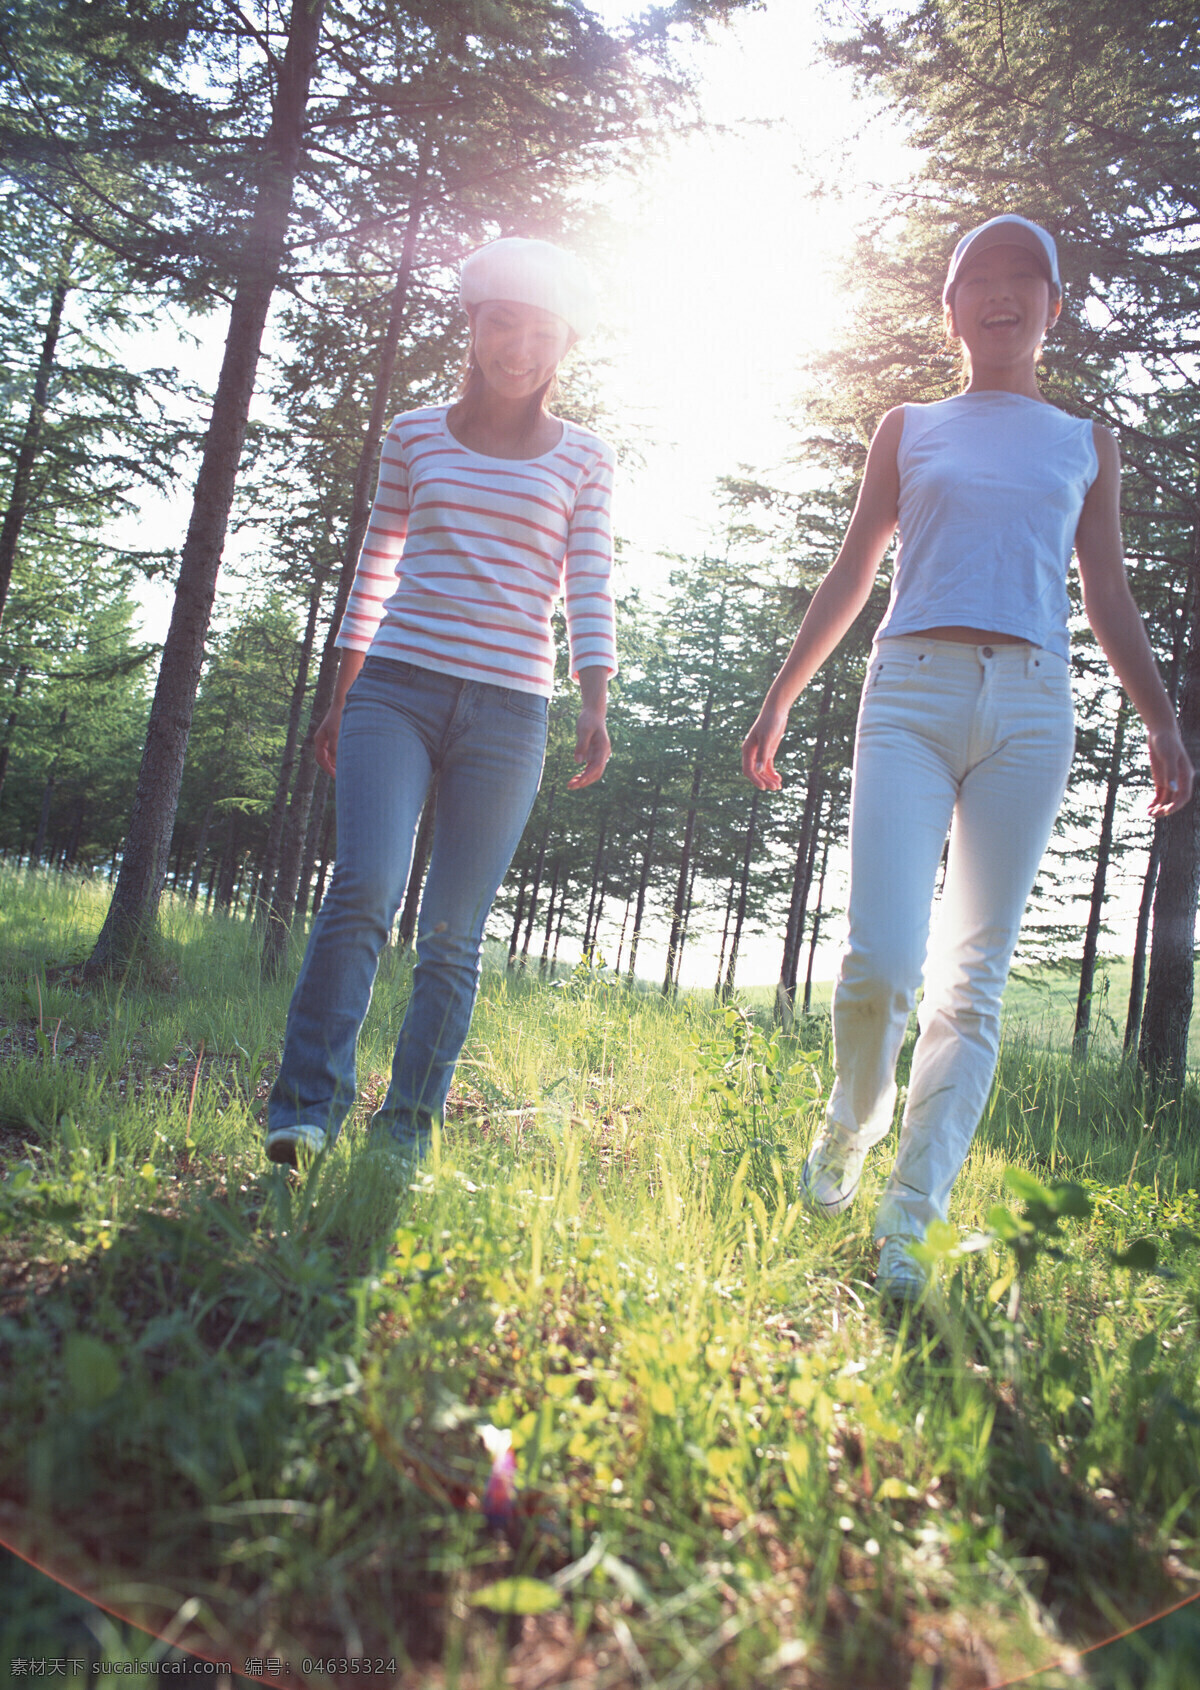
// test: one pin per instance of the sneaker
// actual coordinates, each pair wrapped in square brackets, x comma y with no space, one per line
[898,1278]
[295,1146]
[399,1162]
[831,1174]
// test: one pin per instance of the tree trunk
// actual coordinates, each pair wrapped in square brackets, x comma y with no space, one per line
[531,912]
[644,881]
[270,857]
[139,886]
[600,901]
[18,499]
[597,876]
[321,814]
[416,873]
[785,994]
[729,897]
[39,839]
[816,926]
[279,916]
[1137,969]
[325,853]
[550,912]
[38,848]
[624,930]
[201,848]
[684,927]
[1091,937]
[683,883]
[743,897]
[71,856]
[558,926]
[227,868]
[1162,1048]
[518,917]
[11,724]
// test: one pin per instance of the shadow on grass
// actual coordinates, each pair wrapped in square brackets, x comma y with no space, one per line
[1125,1624]
[185,1457]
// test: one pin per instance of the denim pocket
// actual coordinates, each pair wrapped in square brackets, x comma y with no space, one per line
[387,669]
[531,706]
[1050,675]
[893,669]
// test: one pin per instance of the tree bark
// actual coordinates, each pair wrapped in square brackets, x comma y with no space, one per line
[598,874]
[816,925]
[785,992]
[729,897]
[1091,937]
[201,848]
[550,913]
[531,912]
[558,926]
[685,927]
[600,900]
[71,854]
[227,868]
[324,852]
[743,898]
[38,848]
[1162,1048]
[279,917]
[518,917]
[11,724]
[1137,968]
[683,883]
[644,881]
[270,856]
[321,815]
[134,906]
[31,439]
[624,930]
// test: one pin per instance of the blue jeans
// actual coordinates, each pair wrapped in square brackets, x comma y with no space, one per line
[402,726]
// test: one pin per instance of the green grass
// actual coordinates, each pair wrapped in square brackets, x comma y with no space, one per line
[248,1410]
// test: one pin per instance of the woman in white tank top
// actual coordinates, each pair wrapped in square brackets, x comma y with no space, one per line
[965,723]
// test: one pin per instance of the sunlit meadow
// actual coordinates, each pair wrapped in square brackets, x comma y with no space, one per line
[267,1416]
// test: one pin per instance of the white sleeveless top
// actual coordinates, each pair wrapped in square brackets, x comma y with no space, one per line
[991,487]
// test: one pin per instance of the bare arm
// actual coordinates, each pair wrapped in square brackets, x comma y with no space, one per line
[325,742]
[836,602]
[592,747]
[1118,627]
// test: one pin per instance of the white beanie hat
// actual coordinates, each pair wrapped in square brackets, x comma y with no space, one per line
[533,273]
[1008,230]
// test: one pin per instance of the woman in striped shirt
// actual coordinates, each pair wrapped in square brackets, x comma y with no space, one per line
[486,511]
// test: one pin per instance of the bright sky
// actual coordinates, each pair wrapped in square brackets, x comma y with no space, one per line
[718,270]
[721,275]
[724,280]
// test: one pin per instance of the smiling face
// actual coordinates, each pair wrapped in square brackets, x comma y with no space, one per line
[1002,306]
[517,347]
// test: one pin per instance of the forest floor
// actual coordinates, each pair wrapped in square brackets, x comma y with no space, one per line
[257,1416]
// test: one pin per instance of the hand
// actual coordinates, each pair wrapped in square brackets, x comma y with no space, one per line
[592,748]
[325,741]
[761,744]
[1172,770]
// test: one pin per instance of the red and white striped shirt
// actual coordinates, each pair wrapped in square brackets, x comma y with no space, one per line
[465,555]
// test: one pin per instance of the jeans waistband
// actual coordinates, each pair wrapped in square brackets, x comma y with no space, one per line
[962,654]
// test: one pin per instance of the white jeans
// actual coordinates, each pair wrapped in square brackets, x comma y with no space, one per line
[978,739]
